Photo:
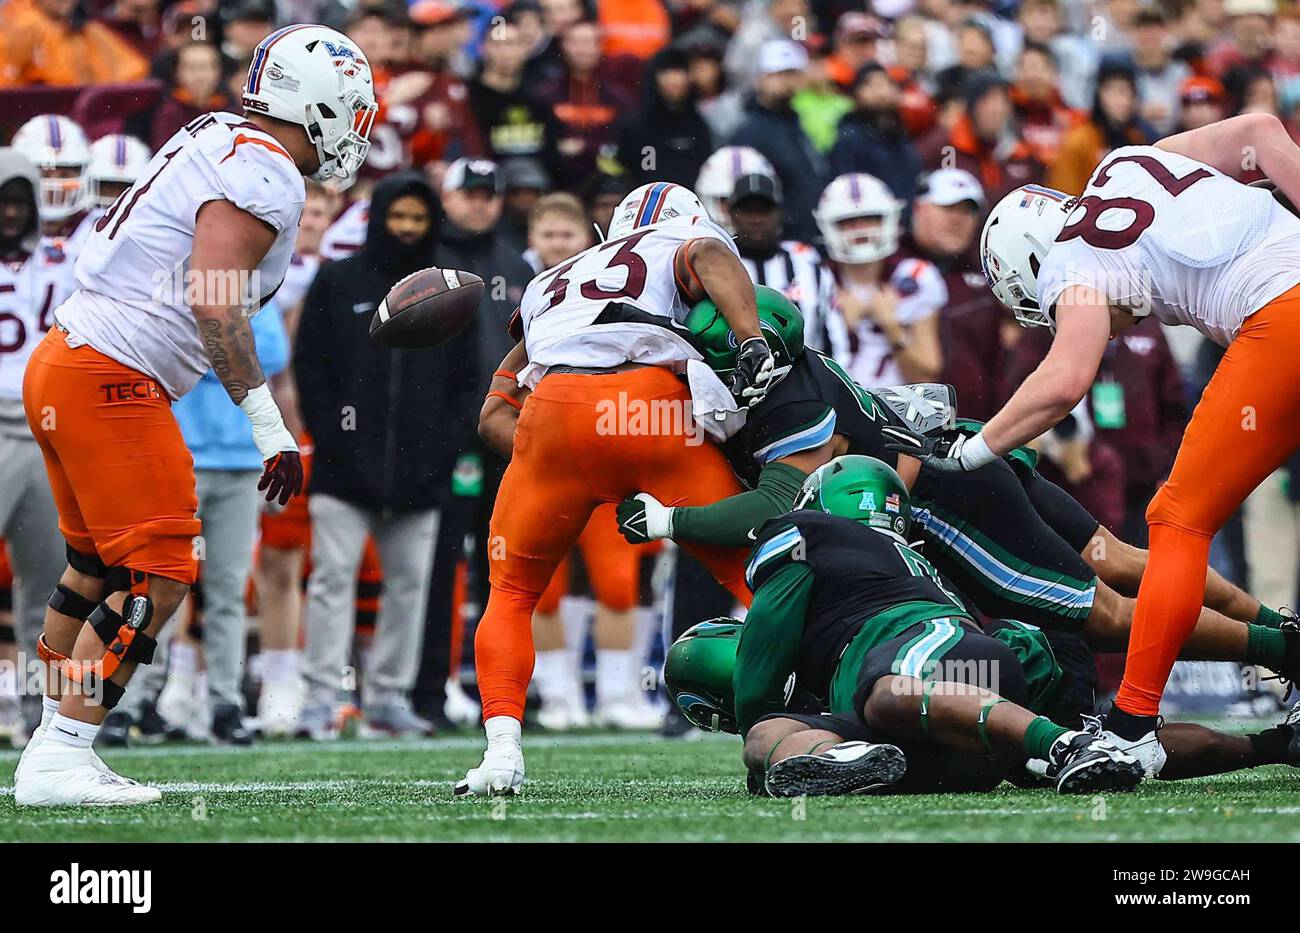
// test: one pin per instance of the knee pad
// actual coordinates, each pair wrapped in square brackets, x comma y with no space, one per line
[89,564]
[67,601]
[124,641]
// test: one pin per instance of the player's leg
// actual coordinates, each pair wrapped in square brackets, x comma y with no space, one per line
[939,684]
[1195,751]
[1246,424]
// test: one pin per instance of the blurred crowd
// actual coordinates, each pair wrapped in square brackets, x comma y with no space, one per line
[853,147]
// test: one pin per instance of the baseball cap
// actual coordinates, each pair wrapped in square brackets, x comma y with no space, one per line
[948,186]
[756,185]
[435,12]
[1250,7]
[777,55]
[466,174]
[523,172]
[1200,90]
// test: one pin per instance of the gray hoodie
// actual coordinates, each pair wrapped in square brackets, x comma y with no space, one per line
[13,423]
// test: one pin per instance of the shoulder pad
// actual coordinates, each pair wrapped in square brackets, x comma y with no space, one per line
[924,407]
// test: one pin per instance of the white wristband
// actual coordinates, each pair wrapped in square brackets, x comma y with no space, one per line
[975,452]
[269,433]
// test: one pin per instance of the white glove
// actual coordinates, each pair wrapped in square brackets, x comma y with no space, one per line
[644,518]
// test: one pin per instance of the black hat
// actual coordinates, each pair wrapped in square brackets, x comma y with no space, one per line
[465,174]
[755,185]
[524,172]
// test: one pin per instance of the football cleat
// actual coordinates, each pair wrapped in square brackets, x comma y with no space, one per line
[1147,749]
[847,768]
[278,706]
[57,775]
[461,708]
[501,773]
[1082,763]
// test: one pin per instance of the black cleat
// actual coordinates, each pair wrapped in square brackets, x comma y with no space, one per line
[228,726]
[1292,721]
[116,729]
[847,768]
[1082,763]
[153,729]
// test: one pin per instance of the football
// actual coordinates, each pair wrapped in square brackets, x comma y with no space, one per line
[427,308]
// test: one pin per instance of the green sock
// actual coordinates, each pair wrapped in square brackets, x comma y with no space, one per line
[1265,646]
[1269,618]
[1040,735]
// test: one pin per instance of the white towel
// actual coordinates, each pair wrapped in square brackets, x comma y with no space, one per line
[713,407]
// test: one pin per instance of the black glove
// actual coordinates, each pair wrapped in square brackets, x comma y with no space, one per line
[282,477]
[754,369]
[938,452]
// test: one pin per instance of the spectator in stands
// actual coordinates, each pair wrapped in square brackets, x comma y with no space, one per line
[854,45]
[639,28]
[524,182]
[49,42]
[1040,112]
[514,121]
[1285,60]
[984,140]
[763,21]
[665,139]
[385,424]
[1114,122]
[1201,102]
[196,89]
[246,25]
[945,223]
[975,55]
[872,139]
[1076,57]
[910,72]
[1249,38]
[447,128]
[138,23]
[586,100]
[545,63]
[1159,75]
[603,196]
[820,103]
[721,106]
[772,127]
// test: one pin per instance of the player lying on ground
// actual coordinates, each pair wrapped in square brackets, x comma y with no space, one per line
[1164,230]
[845,607]
[856,628]
[602,339]
[1018,546]
[165,287]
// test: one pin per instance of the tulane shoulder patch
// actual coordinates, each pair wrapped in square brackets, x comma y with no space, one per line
[780,543]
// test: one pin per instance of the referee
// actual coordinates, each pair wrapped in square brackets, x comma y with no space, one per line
[796,269]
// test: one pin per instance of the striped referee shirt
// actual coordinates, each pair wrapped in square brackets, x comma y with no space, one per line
[798,271]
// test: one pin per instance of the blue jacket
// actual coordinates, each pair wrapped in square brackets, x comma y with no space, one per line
[216,431]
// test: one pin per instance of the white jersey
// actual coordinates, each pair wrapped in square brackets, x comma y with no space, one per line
[72,244]
[1159,232]
[921,293]
[29,293]
[562,308]
[133,286]
[348,233]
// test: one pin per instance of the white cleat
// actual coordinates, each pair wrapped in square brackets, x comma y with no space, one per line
[501,773]
[278,707]
[57,775]
[460,707]
[555,718]
[629,715]
[1147,750]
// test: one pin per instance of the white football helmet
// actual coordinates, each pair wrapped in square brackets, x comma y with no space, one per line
[1015,240]
[116,159]
[652,204]
[718,177]
[850,197]
[319,79]
[59,148]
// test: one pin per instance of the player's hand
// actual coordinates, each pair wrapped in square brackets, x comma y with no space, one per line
[643,518]
[755,367]
[937,453]
[281,477]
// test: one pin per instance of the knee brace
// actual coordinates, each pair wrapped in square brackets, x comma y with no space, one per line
[124,641]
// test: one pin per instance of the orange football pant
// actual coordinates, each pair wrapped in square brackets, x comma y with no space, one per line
[1246,424]
[613,565]
[122,477]
[583,440]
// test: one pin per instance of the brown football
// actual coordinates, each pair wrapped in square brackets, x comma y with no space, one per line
[427,308]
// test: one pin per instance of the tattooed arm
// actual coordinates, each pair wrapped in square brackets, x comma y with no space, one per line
[228,245]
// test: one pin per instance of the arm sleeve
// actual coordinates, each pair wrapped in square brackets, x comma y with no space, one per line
[769,643]
[729,521]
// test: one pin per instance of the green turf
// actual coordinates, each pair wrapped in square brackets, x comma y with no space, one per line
[623,788]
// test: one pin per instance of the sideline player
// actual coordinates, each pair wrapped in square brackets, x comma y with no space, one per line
[59,148]
[1164,230]
[165,286]
[602,352]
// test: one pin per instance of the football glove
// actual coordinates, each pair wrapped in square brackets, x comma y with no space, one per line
[755,368]
[643,518]
[282,477]
[941,454]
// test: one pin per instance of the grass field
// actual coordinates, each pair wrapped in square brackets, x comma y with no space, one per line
[611,787]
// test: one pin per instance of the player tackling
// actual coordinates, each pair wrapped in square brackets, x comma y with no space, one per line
[165,287]
[1165,230]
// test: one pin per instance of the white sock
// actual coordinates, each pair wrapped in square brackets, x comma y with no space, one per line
[551,674]
[279,665]
[183,660]
[49,709]
[503,730]
[612,675]
[66,731]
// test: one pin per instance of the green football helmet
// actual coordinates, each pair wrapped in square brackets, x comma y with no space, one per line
[864,489]
[698,671]
[778,319]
